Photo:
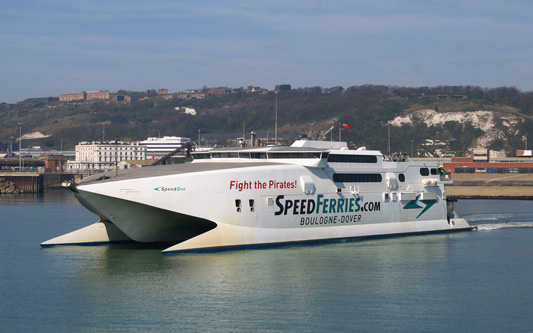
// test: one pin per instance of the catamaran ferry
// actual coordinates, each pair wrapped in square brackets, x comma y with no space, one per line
[313,191]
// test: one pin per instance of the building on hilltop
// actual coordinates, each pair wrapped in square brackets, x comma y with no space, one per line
[217,91]
[84,96]
[72,97]
[121,99]
[90,95]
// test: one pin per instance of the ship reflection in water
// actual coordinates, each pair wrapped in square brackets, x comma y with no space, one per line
[438,282]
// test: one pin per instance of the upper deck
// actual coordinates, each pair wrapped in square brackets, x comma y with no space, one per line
[307,155]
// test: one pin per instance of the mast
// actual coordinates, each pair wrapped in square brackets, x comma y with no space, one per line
[276,125]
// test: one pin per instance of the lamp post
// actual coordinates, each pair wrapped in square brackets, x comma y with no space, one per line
[412,150]
[199,131]
[11,146]
[20,146]
[116,156]
[524,138]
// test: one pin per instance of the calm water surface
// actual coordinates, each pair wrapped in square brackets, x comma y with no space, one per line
[465,282]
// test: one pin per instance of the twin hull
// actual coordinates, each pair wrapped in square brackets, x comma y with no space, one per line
[252,205]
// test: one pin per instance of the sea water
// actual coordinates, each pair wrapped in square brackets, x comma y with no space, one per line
[475,281]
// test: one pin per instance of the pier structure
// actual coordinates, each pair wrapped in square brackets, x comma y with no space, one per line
[36,182]
[26,181]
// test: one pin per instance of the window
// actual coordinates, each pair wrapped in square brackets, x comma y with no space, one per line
[252,205]
[225,155]
[465,170]
[201,156]
[352,158]
[434,171]
[357,177]
[424,171]
[401,177]
[258,155]
[294,155]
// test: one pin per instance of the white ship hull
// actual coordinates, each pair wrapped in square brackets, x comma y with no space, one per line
[234,202]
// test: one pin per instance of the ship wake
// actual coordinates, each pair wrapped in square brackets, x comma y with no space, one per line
[503,225]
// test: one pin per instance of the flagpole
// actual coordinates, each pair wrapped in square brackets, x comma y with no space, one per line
[342,128]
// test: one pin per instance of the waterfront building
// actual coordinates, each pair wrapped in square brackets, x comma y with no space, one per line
[496,165]
[53,162]
[156,148]
[105,156]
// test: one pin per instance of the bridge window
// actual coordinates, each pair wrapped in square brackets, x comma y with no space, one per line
[357,177]
[261,156]
[424,171]
[294,155]
[225,155]
[201,156]
[337,158]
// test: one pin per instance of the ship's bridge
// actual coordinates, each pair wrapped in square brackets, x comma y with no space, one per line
[287,155]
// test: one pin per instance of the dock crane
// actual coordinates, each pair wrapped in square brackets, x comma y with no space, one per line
[324,136]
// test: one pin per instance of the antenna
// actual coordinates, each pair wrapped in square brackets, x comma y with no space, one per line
[276,125]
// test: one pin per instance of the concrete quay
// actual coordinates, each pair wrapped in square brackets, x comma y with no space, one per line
[33,181]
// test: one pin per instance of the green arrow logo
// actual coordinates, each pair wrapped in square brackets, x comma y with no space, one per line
[413,204]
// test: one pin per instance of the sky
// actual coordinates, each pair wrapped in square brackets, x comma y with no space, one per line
[52,47]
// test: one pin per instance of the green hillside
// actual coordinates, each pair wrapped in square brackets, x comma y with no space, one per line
[312,111]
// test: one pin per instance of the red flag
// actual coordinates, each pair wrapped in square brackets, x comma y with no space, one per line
[346,126]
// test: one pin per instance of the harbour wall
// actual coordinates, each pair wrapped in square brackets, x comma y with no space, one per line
[34,182]
[26,182]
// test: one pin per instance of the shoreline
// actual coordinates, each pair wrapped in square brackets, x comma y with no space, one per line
[490,192]
[491,186]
